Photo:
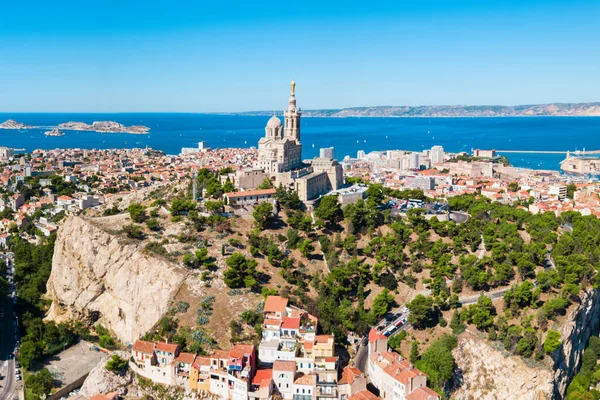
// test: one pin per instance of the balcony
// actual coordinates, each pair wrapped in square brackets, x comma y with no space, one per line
[327,391]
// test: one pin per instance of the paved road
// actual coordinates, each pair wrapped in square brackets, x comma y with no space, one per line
[360,361]
[7,340]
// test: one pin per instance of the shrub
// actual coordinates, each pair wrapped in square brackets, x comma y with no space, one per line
[116,364]
[552,341]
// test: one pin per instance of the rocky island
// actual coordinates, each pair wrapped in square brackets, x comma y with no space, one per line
[104,126]
[12,124]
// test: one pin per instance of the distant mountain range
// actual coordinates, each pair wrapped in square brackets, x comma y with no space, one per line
[553,109]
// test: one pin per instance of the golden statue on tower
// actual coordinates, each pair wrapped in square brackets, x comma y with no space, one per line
[293,85]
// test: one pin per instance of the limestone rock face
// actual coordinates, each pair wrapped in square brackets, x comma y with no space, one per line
[100,380]
[94,277]
[485,372]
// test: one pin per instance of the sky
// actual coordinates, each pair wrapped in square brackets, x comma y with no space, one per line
[227,56]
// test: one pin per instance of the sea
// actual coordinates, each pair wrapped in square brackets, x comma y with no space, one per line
[170,132]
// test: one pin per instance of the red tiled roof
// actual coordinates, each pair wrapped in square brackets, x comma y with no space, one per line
[272,321]
[143,347]
[281,365]
[275,304]
[201,361]
[168,347]
[290,323]
[262,377]
[223,354]
[308,379]
[323,339]
[423,393]
[363,395]
[187,358]
[239,350]
[348,375]
[375,336]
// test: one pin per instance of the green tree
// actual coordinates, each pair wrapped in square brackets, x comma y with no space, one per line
[571,189]
[552,341]
[421,310]
[41,383]
[306,247]
[513,187]
[414,351]
[329,211]
[262,214]
[133,231]
[266,184]
[29,351]
[437,361]
[153,224]
[213,206]
[116,364]
[381,303]
[228,186]
[482,313]
[241,272]
[137,212]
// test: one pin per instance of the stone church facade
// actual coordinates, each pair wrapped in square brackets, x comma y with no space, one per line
[280,158]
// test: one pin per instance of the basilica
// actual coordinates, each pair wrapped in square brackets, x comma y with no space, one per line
[280,150]
[280,159]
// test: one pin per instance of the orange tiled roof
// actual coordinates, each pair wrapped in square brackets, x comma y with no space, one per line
[308,379]
[262,377]
[275,304]
[168,347]
[290,323]
[348,375]
[143,347]
[423,393]
[281,365]
[363,395]
[187,358]
[375,336]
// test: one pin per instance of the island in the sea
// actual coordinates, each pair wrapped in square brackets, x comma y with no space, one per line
[54,132]
[12,124]
[96,126]
[104,126]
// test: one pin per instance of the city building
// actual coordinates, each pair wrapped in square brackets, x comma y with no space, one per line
[250,197]
[484,153]
[395,377]
[436,154]
[194,150]
[327,152]
[6,152]
[560,191]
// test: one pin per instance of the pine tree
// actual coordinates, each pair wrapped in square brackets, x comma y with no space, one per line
[414,352]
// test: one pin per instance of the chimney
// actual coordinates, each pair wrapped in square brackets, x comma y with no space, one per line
[410,367]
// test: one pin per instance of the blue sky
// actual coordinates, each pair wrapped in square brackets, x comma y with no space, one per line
[200,56]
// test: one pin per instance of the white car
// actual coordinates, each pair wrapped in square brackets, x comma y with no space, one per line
[405,310]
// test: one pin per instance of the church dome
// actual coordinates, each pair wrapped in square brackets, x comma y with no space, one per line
[274,122]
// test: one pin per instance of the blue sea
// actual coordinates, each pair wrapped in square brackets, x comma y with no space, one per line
[172,131]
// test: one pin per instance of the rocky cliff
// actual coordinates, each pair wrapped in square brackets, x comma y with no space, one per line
[486,372]
[95,277]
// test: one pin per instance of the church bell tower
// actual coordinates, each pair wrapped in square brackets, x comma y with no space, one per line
[292,116]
